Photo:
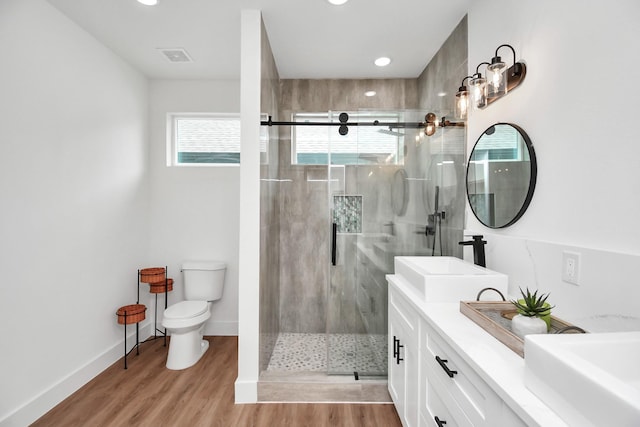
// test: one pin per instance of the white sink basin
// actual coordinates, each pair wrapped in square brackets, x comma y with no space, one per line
[448,279]
[587,379]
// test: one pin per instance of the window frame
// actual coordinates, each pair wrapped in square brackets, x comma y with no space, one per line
[172,144]
[331,117]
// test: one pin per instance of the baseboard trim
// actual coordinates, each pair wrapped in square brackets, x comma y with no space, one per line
[50,397]
[246,391]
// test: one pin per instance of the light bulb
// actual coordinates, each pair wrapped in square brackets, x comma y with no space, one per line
[479,92]
[463,104]
[496,80]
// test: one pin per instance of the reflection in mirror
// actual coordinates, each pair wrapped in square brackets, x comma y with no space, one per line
[442,174]
[501,175]
[399,192]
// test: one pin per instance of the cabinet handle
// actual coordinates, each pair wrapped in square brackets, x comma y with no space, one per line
[440,422]
[443,365]
[396,350]
[398,358]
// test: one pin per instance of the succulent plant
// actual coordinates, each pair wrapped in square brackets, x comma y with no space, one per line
[531,304]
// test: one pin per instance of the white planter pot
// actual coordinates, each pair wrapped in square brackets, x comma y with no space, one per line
[524,325]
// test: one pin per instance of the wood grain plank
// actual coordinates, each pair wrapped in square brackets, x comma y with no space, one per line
[148,394]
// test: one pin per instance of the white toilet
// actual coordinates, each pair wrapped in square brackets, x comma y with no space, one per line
[203,283]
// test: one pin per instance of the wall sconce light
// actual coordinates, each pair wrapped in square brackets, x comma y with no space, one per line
[483,91]
[502,79]
[430,124]
[462,101]
[478,88]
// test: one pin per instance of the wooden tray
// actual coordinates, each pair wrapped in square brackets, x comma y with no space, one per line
[495,318]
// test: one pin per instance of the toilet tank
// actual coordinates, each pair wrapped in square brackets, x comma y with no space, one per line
[203,280]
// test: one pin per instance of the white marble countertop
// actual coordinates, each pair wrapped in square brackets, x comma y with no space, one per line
[495,363]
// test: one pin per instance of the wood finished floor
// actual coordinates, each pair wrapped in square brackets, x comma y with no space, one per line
[148,394]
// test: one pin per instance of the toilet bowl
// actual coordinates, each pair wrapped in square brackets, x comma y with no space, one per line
[185,320]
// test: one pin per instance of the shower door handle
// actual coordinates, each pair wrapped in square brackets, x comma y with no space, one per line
[334,235]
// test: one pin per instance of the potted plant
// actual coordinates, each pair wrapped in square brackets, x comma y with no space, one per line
[534,314]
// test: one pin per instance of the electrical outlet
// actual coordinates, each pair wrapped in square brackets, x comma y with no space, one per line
[571,267]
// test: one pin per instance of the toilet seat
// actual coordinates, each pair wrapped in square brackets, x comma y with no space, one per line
[186,310]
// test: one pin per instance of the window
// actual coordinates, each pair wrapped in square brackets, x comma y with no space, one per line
[201,139]
[323,145]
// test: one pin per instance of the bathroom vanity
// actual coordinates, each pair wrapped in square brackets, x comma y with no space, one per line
[446,371]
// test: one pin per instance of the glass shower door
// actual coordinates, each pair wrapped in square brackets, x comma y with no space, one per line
[365,163]
[402,194]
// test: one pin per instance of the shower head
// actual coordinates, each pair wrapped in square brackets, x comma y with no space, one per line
[390,132]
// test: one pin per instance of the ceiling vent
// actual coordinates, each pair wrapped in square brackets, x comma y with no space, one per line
[176,54]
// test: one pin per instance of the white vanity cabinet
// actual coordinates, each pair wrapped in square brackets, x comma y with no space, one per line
[403,358]
[469,399]
[429,382]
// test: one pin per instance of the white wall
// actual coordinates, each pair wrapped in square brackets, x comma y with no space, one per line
[194,210]
[74,197]
[577,105]
[246,385]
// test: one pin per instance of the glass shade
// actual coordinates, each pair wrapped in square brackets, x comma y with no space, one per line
[462,104]
[479,92]
[497,78]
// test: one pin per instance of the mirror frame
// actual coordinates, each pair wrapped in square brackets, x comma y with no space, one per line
[532,179]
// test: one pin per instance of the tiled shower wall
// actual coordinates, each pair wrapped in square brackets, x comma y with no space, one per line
[305,223]
[441,158]
[269,211]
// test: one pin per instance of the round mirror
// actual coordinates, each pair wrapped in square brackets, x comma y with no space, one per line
[399,192]
[501,175]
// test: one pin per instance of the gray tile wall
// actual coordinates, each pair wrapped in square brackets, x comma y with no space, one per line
[443,75]
[305,222]
[269,211]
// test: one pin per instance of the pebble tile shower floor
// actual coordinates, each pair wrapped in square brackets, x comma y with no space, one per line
[300,352]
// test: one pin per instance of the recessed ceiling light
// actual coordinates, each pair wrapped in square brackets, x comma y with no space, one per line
[382,61]
[370,93]
[338,2]
[148,2]
[441,94]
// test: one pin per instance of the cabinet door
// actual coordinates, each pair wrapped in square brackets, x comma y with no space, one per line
[396,369]
[403,359]
[437,414]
